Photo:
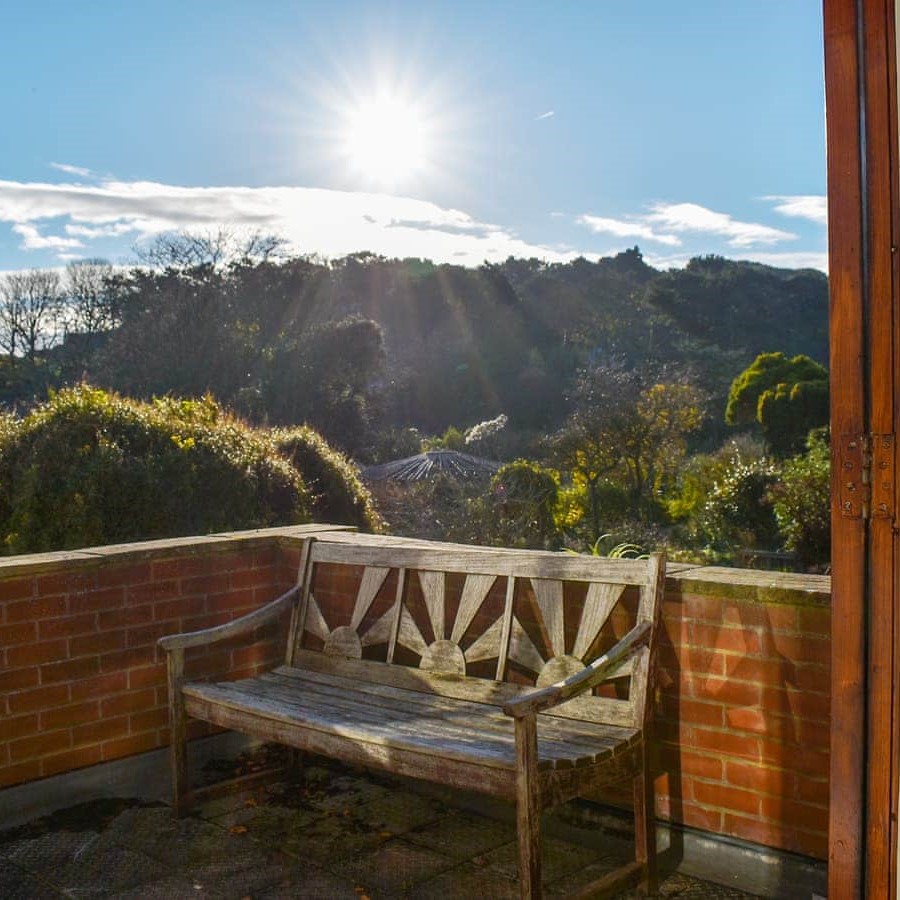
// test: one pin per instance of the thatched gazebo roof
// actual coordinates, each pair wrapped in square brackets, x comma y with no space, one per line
[427,465]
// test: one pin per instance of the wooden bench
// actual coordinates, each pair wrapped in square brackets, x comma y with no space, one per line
[458,665]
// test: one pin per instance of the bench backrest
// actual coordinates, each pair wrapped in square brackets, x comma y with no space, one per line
[464,613]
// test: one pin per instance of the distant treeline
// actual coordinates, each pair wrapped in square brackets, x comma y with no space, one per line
[366,348]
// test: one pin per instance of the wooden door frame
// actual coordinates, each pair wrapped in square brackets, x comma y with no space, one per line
[861,102]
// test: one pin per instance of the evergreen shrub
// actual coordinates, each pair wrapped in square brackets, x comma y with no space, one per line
[90,467]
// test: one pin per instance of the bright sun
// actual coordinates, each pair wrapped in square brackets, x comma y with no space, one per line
[386,140]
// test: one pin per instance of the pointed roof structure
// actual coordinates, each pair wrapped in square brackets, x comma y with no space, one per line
[427,465]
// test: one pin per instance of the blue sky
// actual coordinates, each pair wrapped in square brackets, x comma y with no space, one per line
[539,129]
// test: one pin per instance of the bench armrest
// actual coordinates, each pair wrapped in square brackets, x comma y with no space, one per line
[242,625]
[598,671]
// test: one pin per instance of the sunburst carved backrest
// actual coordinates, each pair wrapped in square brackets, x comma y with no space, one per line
[530,617]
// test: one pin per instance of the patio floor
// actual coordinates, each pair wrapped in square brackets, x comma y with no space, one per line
[337,833]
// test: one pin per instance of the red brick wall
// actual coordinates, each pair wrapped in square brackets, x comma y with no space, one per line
[81,678]
[744,701]
[743,718]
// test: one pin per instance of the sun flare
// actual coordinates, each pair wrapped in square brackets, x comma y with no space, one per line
[386,140]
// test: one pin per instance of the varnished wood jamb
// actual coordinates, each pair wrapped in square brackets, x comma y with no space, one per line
[528,808]
[178,726]
[881,205]
[845,231]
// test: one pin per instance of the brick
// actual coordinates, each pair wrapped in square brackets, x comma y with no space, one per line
[697,816]
[207,583]
[126,617]
[814,620]
[757,720]
[147,676]
[762,779]
[65,716]
[694,712]
[814,844]
[35,654]
[70,760]
[39,745]
[726,743]
[129,702]
[249,578]
[148,634]
[699,764]
[232,601]
[252,655]
[18,633]
[70,669]
[772,834]
[727,691]
[725,797]
[759,671]
[99,685]
[128,746]
[97,600]
[735,640]
[783,618]
[35,610]
[17,679]
[700,608]
[16,589]
[99,731]
[810,790]
[119,576]
[812,817]
[134,657]
[153,592]
[181,567]
[38,698]
[20,773]
[66,582]
[801,648]
[803,704]
[95,644]
[149,720]
[19,726]
[67,626]
[171,610]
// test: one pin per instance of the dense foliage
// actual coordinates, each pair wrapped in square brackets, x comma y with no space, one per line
[614,374]
[336,494]
[89,467]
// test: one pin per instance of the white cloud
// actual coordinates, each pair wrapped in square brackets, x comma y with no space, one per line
[546,115]
[312,220]
[803,206]
[32,239]
[786,260]
[691,217]
[72,170]
[620,228]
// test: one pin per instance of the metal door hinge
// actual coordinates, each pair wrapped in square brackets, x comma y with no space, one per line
[866,479]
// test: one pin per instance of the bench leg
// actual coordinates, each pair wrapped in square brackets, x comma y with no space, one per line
[178,733]
[528,809]
[645,825]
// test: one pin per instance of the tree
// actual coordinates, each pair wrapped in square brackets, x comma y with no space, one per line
[90,300]
[628,425]
[30,311]
[786,397]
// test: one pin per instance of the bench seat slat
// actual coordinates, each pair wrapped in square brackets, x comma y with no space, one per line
[471,731]
[580,742]
[483,690]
